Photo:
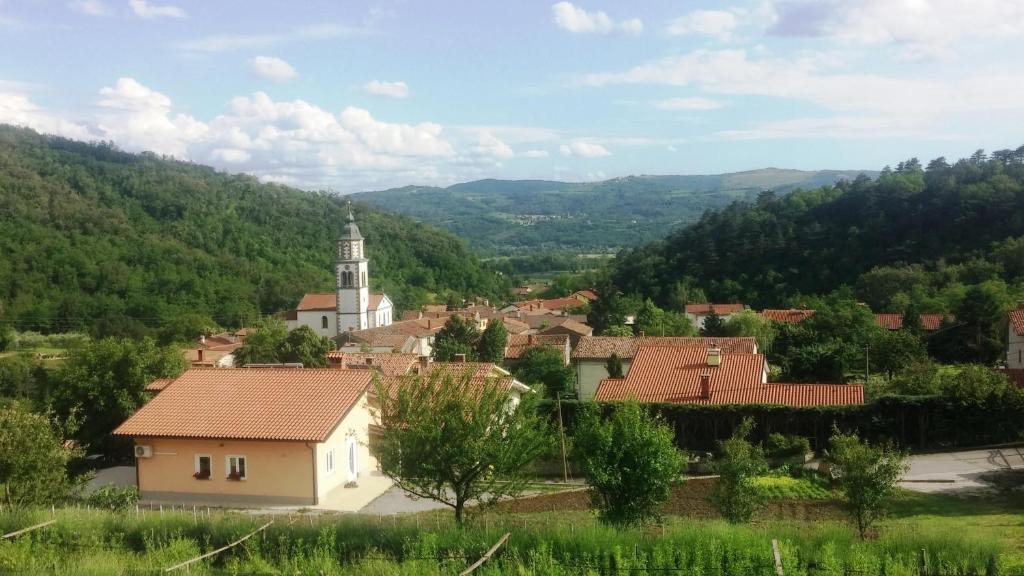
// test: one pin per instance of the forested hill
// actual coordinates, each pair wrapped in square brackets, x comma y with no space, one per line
[912,233]
[522,216]
[95,239]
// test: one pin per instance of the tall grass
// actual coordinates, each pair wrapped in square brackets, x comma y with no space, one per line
[87,542]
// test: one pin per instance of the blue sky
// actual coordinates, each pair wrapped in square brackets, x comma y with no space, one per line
[357,96]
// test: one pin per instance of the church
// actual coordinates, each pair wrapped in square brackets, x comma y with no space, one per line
[351,306]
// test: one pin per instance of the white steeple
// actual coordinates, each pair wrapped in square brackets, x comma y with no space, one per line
[352,277]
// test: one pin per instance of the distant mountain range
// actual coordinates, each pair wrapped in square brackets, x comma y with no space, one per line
[519,216]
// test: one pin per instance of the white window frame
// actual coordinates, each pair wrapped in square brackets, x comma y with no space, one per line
[329,464]
[196,463]
[227,466]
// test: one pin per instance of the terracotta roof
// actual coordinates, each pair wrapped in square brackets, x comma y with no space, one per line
[1017,321]
[571,326]
[210,357]
[384,362]
[545,318]
[701,309]
[560,303]
[318,301]
[789,316]
[520,343]
[515,326]
[158,385]
[602,347]
[298,404]
[673,374]
[375,300]
[929,322]
[418,328]
[588,294]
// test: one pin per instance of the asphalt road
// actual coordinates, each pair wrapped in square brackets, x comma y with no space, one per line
[959,471]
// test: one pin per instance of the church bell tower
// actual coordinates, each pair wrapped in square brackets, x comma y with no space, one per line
[352,277]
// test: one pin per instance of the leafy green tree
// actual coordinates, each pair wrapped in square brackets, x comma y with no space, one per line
[545,366]
[919,378]
[33,459]
[104,382]
[304,346]
[8,337]
[621,331]
[751,324]
[456,440]
[18,378]
[735,495]
[263,343]
[714,325]
[912,319]
[654,321]
[981,313]
[867,475]
[894,350]
[608,310]
[614,366]
[492,343]
[458,336]
[630,462]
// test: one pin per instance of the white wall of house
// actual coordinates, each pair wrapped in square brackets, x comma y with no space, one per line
[382,316]
[589,374]
[1015,350]
[698,319]
[315,320]
[352,432]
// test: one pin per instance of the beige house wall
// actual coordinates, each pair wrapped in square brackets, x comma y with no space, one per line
[276,472]
[355,428]
[1014,350]
[589,374]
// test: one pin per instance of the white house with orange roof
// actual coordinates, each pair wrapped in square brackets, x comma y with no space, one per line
[1015,339]
[258,437]
[351,306]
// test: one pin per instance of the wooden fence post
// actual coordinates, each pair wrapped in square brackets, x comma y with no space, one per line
[778,558]
[486,556]
[922,562]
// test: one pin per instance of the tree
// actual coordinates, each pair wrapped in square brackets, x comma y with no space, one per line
[458,336]
[912,319]
[630,461]
[614,366]
[456,439]
[751,324]
[654,321]
[272,343]
[33,459]
[894,350]
[492,343]
[735,495]
[104,382]
[621,330]
[304,346]
[867,476]
[545,366]
[714,325]
[608,310]
[8,337]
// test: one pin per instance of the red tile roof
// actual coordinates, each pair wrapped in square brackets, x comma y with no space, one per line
[602,347]
[298,404]
[722,309]
[515,326]
[588,294]
[569,325]
[673,374]
[375,300]
[318,301]
[520,343]
[561,303]
[929,322]
[383,362]
[743,344]
[158,385]
[790,316]
[1017,321]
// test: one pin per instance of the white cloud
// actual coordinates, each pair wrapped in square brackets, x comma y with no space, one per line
[272,68]
[490,146]
[139,118]
[924,28]
[671,148]
[694,103]
[230,42]
[16,108]
[90,7]
[144,9]
[396,89]
[596,176]
[718,23]
[535,154]
[230,155]
[578,21]
[584,149]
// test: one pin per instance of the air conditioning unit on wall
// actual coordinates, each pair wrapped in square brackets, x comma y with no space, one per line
[143,451]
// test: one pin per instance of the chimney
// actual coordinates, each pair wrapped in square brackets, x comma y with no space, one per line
[714,356]
[429,322]
[424,362]
[420,316]
[460,359]
[641,334]
[529,339]
[705,386]
[200,355]
[202,338]
[369,360]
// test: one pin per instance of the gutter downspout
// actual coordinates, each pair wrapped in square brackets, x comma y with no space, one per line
[316,491]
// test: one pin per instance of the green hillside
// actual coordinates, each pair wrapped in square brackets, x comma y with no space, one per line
[522,216]
[98,240]
[913,234]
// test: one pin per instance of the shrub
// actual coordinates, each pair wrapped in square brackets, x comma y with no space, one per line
[630,462]
[779,446]
[113,497]
[735,495]
[867,476]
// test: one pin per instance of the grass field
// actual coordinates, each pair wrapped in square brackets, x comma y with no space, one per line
[977,535]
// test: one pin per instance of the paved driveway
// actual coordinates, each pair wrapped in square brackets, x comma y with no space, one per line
[959,471]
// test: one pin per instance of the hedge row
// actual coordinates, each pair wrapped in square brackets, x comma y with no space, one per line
[917,422]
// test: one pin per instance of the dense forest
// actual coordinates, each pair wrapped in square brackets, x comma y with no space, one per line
[920,235]
[520,217]
[95,239]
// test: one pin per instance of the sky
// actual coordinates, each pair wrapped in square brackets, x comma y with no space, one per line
[353,96]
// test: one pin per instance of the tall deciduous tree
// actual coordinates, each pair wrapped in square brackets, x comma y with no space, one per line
[104,382]
[33,459]
[271,343]
[545,366]
[457,440]
[458,336]
[630,461]
[738,462]
[492,343]
[867,476]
